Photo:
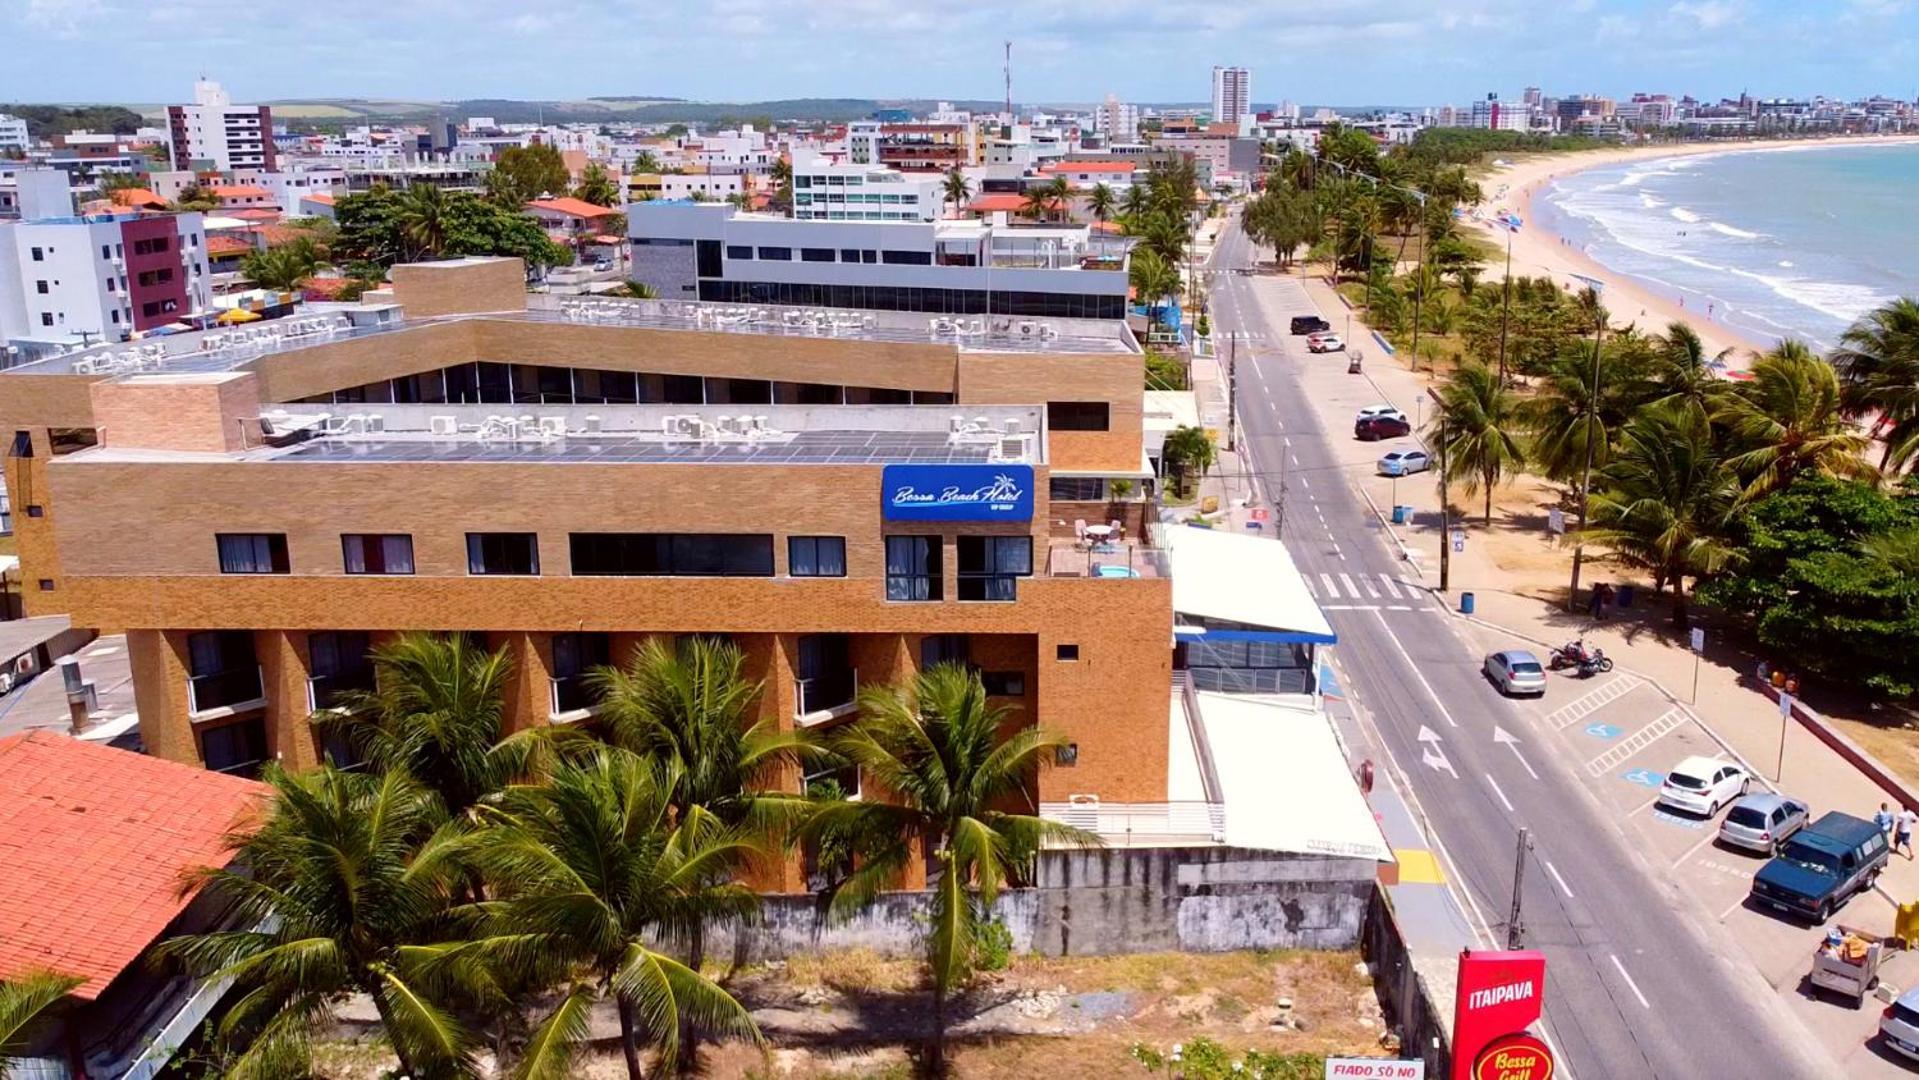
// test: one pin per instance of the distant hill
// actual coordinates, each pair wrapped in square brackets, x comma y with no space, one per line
[612,108]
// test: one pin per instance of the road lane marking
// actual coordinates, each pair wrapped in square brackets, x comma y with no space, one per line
[1311,589]
[1637,741]
[1438,703]
[1643,1003]
[1305,483]
[1350,589]
[1501,794]
[1554,871]
[1391,589]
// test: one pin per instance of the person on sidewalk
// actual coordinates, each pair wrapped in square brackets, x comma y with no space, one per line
[1902,831]
[1883,819]
[1597,605]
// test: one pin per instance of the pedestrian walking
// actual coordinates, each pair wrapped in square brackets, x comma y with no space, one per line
[1597,601]
[1902,831]
[1883,818]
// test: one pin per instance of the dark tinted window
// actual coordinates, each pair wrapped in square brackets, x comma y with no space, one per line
[706,255]
[851,255]
[990,566]
[377,553]
[1077,488]
[913,568]
[1747,816]
[777,254]
[816,254]
[816,556]
[944,649]
[252,553]
[1004,683]
[502,553]
[238,748]
[1077,415]
[739,251]
[907,258]
[672,554]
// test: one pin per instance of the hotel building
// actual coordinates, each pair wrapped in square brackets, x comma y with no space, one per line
[849,497]
[213,134]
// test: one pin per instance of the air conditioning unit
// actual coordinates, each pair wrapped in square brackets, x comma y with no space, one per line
[443,425]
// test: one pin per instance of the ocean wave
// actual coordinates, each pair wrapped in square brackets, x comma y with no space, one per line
[1680,213]
[1638,176]
[1787,263]
[1724,229]
[1650,201]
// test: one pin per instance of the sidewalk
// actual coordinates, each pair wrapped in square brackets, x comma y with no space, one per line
[1640,639]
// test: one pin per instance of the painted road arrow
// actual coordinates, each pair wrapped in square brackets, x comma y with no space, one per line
[1434,758]
[1500,736]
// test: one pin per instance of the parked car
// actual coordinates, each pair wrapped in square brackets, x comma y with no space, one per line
[1378,410]
[1324,343]
[1762,822]
[1701,785]
[1373,428]
[1900,1024]
[1823,866]
[1516,671]
[1310,324]
[1405,463]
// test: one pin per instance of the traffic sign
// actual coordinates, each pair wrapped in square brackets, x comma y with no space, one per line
[1260,513]
[1698,639]
[1785,704]
[1459,539]
[1374,1069]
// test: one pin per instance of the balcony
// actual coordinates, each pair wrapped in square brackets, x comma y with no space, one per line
[825,697]
[1161,824]
[223,693]
[1117,560]
[326,692]
[569,697]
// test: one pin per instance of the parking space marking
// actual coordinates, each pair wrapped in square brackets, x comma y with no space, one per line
[1637,741]
[1579,708]
[1643,1003]
[1604,731]
[1554,871]
[1694,850]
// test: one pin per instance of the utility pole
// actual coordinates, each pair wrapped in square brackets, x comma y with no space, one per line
[1506,302]
[1232,391]
[1516,923]
[1009,88]
[1445,511]
[1592,408]
[1419,279]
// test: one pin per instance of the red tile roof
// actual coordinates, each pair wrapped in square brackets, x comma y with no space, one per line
[986,204]
[322,197]
[572,207]
[1090,167]
[227,245]
[94,841]
[240,191]
[137,197]
[257,213]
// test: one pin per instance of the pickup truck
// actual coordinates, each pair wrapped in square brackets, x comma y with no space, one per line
[1822,866]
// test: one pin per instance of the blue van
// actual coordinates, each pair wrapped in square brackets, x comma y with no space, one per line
[1822,866]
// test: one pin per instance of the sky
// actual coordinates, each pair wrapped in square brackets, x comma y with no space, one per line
[1331,52]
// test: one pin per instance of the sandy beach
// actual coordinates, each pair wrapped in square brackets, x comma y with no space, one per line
[1537,252]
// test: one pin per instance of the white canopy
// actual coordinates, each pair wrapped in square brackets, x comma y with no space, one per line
[1241,579]
[1286,784]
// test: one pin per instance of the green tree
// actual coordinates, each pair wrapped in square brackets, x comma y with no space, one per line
[957,189]
[1878,365]
[597,187]
[423,219]
[1153,279]
[1186,449]
[1684,376]
[345,884]
[1478,419]
[195,197]
[284,267]
[1164,371]
[1664,501]
[523,173]
[1102,203]
[25,1003]
[594,867]
[1788,420]
[936,749]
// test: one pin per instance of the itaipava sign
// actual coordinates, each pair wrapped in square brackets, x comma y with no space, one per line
[1499,994]
[957,492]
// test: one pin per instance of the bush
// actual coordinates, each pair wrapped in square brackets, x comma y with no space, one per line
[992,946]
[1204,1059]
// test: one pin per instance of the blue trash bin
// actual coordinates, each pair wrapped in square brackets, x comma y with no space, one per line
[1465,603]
[1623,595]
[1399,514]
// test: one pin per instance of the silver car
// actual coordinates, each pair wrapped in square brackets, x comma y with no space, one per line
[1516,671]
[1762,822]
[1900,1025]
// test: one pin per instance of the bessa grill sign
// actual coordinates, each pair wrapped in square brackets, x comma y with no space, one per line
[1514,1057]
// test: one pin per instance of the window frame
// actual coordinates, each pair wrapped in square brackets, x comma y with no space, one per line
[476,562]
[671,554]
[228,544]
[370,552]
[991,581]
[901,585]
[794,561]
[1079,416]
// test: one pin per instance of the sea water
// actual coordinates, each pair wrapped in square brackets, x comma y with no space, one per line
[1775,242]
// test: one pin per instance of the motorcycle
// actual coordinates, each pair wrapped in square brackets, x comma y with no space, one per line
[1586,662]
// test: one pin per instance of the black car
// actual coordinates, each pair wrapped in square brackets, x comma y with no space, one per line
[1310,324]
[1371,428]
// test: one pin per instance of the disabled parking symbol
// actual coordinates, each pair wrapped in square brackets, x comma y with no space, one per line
[1643,777]
[1603,731]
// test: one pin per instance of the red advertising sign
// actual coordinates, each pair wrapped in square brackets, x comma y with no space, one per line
[1499,994]
[1514,1057]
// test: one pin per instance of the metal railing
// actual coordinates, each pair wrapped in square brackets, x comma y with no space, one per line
[239,688]
[1253,680]
[327,691]
[1143,824]
[1117,559]
[832,693]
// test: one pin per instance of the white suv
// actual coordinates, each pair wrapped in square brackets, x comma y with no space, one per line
[1701,785]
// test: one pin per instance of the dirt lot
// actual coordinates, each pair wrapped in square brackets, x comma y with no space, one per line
[847,1015]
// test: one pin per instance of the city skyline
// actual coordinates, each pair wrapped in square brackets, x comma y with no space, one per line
[1388,51]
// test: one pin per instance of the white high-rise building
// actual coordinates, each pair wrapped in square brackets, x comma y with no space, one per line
[1232,94]
[214,132]
[1117,121]
[13,133]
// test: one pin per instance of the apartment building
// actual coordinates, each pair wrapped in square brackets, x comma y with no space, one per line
[698,186]
[81,280]
[1232,94]
[13,133]
[215,134]
[922,148]
[826,191]
[849,499]
[956,267]
[1116,121]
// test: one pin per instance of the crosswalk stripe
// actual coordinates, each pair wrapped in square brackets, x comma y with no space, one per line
[1332,590]
[1370,591]
[1350,590]
[1392,590]
[1311,590]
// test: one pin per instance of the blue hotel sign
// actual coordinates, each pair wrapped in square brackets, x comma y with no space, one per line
[958,492]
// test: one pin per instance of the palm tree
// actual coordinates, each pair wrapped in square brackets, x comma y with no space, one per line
[1153,279]
[1684,376]
[24,1002]
[1791,420]
[283,267]
[1878,364]
[435,714]
[345,883]
[936,749]
[1664,500]
[1478,419]
[957,188]
[424,214]
[1564,413]
[595,867]
[1188,448]
[1134,205]
[1038,202]
[1101,203]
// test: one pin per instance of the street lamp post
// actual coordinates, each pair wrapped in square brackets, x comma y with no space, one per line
[1419,278]
[1592,408]
[1506,300]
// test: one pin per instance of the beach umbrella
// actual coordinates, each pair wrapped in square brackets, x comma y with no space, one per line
[232,316]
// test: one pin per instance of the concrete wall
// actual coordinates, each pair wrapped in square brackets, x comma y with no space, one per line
[1092,903]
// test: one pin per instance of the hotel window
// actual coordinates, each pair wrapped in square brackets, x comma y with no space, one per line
[1004,683]
[222,670]
[825,673]
[1077,488]
[39,255]
[938,649]
[816,556]
[41,287]
[851,255]
[913,568]
[341,664]
[502,553]
[990,566]
[907,258]
[816,254]
[1078,415]
[238,749]
[777,254]
[672,554]
[739,251]
[252,553]
[377,553]
[574,658]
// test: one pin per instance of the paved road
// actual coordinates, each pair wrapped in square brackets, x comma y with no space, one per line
[1639,983]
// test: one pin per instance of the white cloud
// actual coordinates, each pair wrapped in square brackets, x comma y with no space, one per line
[62,16]
[1710,14]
